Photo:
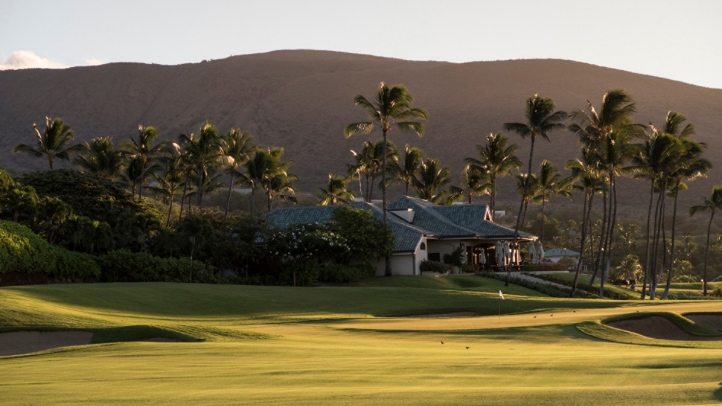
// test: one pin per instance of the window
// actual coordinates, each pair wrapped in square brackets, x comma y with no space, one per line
[422,247]
[435,257]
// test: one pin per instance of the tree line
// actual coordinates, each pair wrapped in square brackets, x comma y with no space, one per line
[613,146]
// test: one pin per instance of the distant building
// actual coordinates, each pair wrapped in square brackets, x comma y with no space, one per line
[556,254]
[422,230]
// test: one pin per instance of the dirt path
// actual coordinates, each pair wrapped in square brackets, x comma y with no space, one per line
[658,327]
[23,342]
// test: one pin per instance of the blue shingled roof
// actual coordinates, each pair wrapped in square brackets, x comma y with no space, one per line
[460,221]
[560,252]
[406,236]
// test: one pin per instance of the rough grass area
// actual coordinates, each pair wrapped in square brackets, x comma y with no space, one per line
[344,345]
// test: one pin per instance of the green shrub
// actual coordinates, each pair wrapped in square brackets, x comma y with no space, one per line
[23,251]
[338,273]
[455,257]
[432,266]
[717,291]
[544,267]
[302,272]
[126,266]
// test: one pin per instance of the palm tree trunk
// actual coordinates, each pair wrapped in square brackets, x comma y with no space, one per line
[268,195]
[542,213]
[183,198]
[671,259]
[253,197]
[655,246]
[228,200]
[51,158]
[706,249]
[493,196]
[142,178]
[649,220]
[608,251]
[601,236]
[201,178]
[581,248]
[407,188]
[387,270]
[170,208]
[521,206]
[368,189]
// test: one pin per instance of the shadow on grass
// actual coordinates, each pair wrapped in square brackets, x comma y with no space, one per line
[718,393]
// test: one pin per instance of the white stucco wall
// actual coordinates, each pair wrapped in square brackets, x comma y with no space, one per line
[401,264]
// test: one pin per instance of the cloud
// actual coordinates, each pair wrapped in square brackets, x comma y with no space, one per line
[93,61]
[28,60]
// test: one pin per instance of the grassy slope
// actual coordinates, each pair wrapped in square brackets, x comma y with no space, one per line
[327,348]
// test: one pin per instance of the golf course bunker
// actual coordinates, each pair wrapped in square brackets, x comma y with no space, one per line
[708,320]
[658,327]
[445,315]
[162,340]
[23,342]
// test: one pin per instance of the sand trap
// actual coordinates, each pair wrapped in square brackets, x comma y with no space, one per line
[708,320]
[446,315]
[23,342]
[162,340]
[658,327]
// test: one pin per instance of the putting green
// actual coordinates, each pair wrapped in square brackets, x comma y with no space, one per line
[346,345]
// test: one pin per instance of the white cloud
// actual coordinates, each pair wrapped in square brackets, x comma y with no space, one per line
[28,60]
[93,61]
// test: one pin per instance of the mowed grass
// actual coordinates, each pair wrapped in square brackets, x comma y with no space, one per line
[346,345]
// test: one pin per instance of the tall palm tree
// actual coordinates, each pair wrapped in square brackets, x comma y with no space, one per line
[540,121]
[549,183]
[132,176]
[431,177]
[101,157]
[409,164]
[204,151]
[711,205]
[391,109]
[53,142]
[143,151]
[497,159]
[236,146]
[586,171]
[336,191]
[607,133]
[690,166]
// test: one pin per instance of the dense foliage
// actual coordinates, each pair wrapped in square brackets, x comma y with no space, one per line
[24,252]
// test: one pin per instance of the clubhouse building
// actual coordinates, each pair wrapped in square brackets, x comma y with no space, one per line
[423,231]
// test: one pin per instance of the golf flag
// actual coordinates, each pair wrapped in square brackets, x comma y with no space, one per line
[501,295]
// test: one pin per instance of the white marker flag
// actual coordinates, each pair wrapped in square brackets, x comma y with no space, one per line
[501,295]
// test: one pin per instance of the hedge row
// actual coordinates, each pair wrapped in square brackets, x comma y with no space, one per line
[539,287]
[24,252]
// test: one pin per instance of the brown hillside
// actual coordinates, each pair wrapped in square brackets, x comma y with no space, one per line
[301,100]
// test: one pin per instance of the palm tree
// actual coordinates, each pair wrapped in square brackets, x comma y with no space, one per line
[475,181]
[587,172]
[101,157]
[336,191]
[691,166]
[528,184]
[541,120]
[405,170]
[52,142]
[260,167]
[430,178]
[235,146]
[142,150]
[497,159]
[170,180]
[710,205]
[279,183]
[550,182]
[391,108]
[204,151]
[133,174]
[607,134]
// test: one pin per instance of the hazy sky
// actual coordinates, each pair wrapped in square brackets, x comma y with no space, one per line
[674,39]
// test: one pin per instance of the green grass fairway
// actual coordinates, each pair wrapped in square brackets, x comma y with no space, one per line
[349,346]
